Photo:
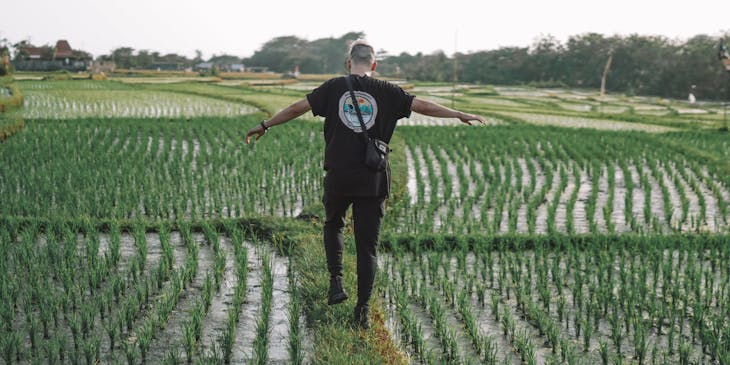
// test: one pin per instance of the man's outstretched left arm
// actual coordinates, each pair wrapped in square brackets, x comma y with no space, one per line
[285,115]
[432,109]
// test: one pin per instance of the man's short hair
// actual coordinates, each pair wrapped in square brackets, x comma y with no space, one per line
[361,52]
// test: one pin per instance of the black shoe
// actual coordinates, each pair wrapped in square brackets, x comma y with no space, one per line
[337,294]
[362,319]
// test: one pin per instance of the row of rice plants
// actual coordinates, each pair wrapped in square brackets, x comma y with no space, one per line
[668,304]
[177,170]
[104,300]
[71,104]
[494,181]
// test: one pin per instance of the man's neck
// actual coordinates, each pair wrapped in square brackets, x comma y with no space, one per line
[361,71]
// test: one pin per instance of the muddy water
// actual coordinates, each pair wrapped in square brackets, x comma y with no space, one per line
[242,347]
[214,323]
[580,221]
[618,216]
[170,338]
[279,317]
[411,185]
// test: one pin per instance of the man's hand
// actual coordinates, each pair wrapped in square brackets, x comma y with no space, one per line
[467,118]
[258,130]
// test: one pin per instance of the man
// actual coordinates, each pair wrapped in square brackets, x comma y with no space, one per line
[348,181]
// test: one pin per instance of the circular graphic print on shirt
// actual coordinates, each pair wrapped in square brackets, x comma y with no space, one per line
[348,114]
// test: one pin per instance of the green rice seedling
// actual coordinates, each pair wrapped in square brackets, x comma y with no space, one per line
[50,352]
[261,342]
[144,338]
[10,343]
[140,242]
[219,267]
[296,354]
[130,351]
[189,340]
[508,324]
[212,356]
[196,319]
[616,334]
[172,357]
[33,327]
[603,350]
[92,348]
[684,353]
[227,339]
[61,342]
[490,351]
[207,293]
[111,330]
[587,333]
[526,347]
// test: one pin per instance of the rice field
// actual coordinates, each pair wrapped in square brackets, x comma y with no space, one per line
[137,228]
[73,104]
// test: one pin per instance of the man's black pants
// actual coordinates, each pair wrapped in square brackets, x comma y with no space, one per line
[367,213]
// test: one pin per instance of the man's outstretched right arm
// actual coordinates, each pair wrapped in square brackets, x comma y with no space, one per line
[432,109]
[283,116]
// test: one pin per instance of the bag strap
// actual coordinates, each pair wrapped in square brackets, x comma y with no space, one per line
[356,105]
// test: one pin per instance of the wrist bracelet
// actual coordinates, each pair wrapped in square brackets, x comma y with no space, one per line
[264,126]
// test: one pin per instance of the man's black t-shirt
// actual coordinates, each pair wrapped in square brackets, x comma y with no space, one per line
[381,104]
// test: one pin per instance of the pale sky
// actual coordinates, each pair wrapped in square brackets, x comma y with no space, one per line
[241,27]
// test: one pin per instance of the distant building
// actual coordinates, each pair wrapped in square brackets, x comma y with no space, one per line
[237,67]
[62,57]
[204,66]
[33,53]
[63,50]
[166,66]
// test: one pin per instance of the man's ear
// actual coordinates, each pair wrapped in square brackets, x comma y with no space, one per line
[372,68]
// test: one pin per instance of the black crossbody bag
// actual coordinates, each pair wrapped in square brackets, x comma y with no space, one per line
[376,151]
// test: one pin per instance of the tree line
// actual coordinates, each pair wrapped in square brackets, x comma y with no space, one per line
[646,65]
[641,64]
